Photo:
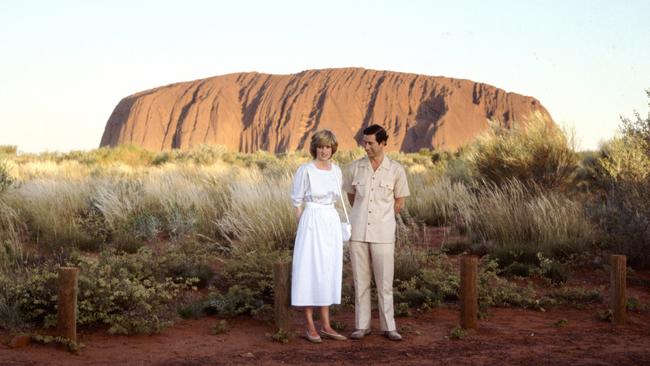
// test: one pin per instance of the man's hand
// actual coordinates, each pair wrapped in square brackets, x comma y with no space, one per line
[351,199]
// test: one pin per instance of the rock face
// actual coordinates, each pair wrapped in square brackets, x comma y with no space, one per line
[253,111]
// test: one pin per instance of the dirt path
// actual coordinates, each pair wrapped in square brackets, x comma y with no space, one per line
[508,336]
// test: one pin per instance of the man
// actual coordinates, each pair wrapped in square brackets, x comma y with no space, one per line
[377,188]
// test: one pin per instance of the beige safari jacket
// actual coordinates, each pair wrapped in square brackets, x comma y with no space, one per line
[373,212]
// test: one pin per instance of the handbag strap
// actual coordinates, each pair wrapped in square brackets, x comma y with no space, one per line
[347,219]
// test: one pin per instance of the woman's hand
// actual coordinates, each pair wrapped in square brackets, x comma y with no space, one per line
[298,212]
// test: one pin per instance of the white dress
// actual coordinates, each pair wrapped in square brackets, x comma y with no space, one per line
[318,251]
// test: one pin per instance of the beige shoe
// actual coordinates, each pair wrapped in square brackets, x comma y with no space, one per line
[393,335]
[359,333]
[313,339]
[334,336]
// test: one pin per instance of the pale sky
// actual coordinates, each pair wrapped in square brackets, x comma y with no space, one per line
[64,65]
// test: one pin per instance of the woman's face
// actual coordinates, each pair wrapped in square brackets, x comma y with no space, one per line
[324,153]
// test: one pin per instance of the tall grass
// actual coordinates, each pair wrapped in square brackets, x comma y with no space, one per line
[51,209]
[260,215]
[245,204]
[526,221]
[12,254]
[434,199]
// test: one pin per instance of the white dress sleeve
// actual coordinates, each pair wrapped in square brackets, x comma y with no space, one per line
[299,186]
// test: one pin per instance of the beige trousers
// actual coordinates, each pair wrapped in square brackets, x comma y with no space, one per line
[380,257]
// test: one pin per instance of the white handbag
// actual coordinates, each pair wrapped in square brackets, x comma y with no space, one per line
[346,227]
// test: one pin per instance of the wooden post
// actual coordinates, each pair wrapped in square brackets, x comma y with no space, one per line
[282,292]
[469,292]
[617,289]
[67,303]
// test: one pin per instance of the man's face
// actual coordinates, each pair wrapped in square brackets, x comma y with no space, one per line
[371,146]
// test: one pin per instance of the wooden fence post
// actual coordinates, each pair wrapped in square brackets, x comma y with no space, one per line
[618,288]
[469,292]
[282,292]
[67,303]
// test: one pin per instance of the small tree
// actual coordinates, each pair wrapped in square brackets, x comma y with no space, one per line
[625,167]
[638,127]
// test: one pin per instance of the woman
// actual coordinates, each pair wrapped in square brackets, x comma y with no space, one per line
[318,251]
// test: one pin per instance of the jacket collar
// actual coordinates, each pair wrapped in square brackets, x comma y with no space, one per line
[385,164]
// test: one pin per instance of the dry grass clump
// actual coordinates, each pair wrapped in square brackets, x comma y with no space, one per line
[435,199]
[260,216]
[526,221]
[530,152]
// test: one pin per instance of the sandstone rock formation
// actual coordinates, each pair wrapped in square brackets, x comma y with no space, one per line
[253,111]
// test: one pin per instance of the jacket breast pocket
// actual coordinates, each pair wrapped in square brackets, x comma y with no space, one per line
[386,189]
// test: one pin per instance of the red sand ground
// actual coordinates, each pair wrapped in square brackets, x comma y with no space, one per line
[508,336]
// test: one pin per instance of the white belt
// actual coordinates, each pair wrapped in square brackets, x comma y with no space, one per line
[318,205]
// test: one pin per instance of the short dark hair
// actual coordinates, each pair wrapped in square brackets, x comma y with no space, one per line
[378,131]
[322,138]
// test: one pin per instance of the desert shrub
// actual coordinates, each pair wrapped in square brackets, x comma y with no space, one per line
[438,281]
[625,217]
[246,285]
[11,317]
[518,269]
[433,282]
[625,159]
[497,291]
[624,211]
[533,151]
[189,259]
[575,296]
[202,154]
[8,150]
[639,126]
[526,221]
[128,293]
[129,154]
[408,262]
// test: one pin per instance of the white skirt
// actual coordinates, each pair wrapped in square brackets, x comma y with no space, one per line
[317,257]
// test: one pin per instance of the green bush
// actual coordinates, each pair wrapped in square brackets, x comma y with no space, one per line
[625,217]
[11,316]
[532,152]
[638,127]
[624,210]
[246,285]
[625,159]
[128,293]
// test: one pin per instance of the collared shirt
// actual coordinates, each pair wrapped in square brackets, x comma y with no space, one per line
[373,210]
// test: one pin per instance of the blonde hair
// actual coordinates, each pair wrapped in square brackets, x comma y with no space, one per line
[322,138]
